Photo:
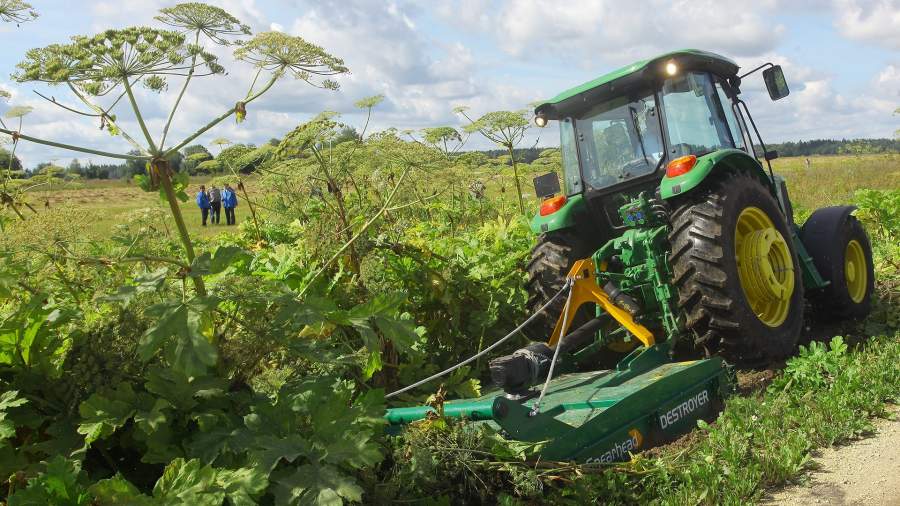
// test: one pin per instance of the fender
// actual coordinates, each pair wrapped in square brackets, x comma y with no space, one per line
[819,230]
[734,159]
[565,217]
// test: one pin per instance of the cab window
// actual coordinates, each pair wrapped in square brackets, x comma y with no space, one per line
[695,118]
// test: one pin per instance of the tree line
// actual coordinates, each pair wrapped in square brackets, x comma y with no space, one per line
[197,159]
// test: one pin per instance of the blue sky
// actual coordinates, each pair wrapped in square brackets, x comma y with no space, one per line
[841,58]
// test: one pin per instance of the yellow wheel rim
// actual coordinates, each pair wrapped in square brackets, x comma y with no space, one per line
[855,273]
[765,267]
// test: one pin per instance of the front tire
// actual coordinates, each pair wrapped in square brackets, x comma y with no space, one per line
[737,274]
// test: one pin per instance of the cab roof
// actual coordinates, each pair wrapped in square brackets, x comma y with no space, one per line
[639,72]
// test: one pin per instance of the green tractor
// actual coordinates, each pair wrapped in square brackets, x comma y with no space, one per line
[674,128]
[667,234]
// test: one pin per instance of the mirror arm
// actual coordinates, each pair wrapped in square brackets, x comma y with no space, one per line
[765,150]
[764,65]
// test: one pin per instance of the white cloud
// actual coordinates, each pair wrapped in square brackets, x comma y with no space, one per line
[602,31]
[427,58]
[874,21]
[817,109]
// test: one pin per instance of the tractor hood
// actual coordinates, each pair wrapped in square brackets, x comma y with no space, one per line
[636,75]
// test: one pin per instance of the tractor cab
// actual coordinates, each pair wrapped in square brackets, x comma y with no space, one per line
[624,132]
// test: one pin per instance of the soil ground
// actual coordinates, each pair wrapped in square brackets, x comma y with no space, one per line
[864,472]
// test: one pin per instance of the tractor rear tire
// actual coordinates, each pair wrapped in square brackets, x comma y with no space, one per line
[845,261]
[551,259]
[713,284]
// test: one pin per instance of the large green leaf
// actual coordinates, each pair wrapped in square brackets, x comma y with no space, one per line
[8,399]
[57,485]
[316,485]
[223,258]
[181,390]
[191,482]
[101,415]
[188,482]
[242,486]
[183,330]
[354,448]
[29,337]
[269,450]
[402,333]
[117,490]
[148,282]
[155,428]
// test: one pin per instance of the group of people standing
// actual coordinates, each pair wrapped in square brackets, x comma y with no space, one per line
[213,200]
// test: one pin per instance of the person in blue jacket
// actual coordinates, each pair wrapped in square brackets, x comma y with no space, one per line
[229,202]
[203,203]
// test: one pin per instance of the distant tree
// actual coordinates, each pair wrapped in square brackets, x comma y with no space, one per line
[134,166]
[472,159]
[194,149]
[208,167]
[175,159]
[93,171]
[230,156]
[193,156]
[75,167]
[346,134]
[550,158]
[250,161]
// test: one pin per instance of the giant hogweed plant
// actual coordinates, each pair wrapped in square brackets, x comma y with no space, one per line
[16,11]
[183,417]
[103,70]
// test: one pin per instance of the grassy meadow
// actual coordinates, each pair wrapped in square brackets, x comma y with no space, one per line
[829,180]
[101,205]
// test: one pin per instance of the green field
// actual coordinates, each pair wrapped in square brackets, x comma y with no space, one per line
[107,203]
[830,180]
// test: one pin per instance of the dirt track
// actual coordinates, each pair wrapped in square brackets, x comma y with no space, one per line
[865,472]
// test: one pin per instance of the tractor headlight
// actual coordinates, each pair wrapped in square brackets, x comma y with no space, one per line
[540,120]
[671,68]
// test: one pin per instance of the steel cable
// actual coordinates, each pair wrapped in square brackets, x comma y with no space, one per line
[566,286]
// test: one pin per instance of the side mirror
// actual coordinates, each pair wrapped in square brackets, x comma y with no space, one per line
[775,82]
[546,185]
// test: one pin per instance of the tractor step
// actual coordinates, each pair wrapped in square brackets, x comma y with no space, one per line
[602,416]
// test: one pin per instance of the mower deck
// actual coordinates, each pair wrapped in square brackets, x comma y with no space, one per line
[601,416]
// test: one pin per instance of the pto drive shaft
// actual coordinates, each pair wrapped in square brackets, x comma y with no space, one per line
[515,373]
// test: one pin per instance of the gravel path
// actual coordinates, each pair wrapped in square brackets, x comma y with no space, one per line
[865,472]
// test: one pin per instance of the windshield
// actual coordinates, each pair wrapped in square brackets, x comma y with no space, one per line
[619,139]
[694,115]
